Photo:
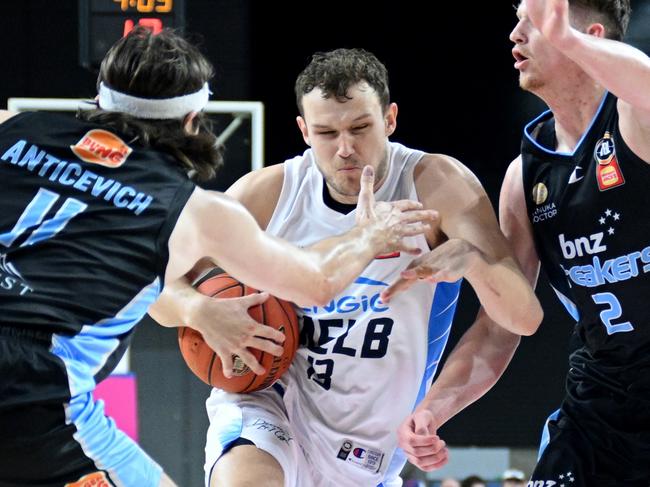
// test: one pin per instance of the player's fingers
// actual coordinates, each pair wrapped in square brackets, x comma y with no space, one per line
[226,364]
[366,199]
[432,462]
[265,346]
[419,216]
[270,333]
[413,229]
[249,359]
[253,299]
[408,205]
[397,287]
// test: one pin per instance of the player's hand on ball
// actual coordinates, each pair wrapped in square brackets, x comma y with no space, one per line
[229,330]
[390,222]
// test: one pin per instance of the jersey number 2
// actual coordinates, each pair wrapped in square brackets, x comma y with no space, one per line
[612,313]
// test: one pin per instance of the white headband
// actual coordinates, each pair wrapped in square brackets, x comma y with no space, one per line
[161,108]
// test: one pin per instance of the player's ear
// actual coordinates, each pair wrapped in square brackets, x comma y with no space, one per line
[302,125]
[390,119]
[188,123]
[596,29]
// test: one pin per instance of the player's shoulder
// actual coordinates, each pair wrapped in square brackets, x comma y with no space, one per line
[435,169]
[6,115]
[266,179]
[259,191]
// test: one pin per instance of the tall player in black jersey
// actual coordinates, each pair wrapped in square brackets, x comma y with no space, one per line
[97,213]
[577,201]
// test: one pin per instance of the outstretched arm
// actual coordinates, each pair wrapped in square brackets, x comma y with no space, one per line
[476,248]
[618,67]
[483,353]
[216,226]
[306,276]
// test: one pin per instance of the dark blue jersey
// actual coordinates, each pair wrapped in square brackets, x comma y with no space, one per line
[590,214]
[84,227]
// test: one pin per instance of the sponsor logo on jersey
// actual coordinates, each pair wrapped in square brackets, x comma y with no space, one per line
[608,171]
[540,193]
[96,479]
[102,147]
[545,212]
[10,279]
[576,175]
[360,300]
[599,271]
[278,432]
[362,456]
[359,453]
[345,450]
[580,246]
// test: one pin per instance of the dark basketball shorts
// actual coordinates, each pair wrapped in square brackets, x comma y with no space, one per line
[50,438]
[600,437]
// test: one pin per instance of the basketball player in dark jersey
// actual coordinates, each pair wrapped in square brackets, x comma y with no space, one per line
[577,201]
[97,213]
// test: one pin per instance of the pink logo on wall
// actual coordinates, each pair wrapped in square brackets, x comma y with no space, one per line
[119,393]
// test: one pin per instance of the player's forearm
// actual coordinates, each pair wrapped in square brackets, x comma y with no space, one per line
[506,295]
[172,306]
[473,367]
[341,259]
[618,67]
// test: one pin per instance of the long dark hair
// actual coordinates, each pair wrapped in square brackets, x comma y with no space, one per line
[163,65]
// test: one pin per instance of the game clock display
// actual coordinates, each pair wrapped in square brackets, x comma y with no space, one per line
[102,22]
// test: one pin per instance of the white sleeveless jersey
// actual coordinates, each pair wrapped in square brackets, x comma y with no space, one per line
[362,365]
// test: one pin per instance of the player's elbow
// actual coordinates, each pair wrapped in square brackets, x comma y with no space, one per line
[528,319]
[323,291]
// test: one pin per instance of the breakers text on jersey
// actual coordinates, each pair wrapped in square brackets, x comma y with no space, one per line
[601,272]
[73,174]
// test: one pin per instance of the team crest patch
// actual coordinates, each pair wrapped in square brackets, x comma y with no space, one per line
[540,193]
[102,147]
[608,171]
[95,479]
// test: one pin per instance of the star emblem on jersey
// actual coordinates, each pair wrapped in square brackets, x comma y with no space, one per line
[609,218]
[566,479]
[608,171]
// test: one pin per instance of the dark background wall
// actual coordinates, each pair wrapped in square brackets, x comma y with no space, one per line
[452,77]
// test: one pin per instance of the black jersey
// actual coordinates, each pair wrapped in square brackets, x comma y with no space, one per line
[590,214]
[84,227]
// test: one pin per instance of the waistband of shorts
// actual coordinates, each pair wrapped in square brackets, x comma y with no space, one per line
[33,334]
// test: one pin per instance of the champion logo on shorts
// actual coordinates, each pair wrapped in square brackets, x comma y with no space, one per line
[95,479]
[102,147]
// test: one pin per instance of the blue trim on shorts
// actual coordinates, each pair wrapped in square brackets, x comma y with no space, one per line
[546,434]
[86,353]
[231,428]
[108,447]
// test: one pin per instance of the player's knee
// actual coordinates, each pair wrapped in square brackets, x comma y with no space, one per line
[247,466]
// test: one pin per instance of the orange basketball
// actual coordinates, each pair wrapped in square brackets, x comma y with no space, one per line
[206,364]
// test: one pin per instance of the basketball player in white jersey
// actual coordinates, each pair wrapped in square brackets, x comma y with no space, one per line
[363,363]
